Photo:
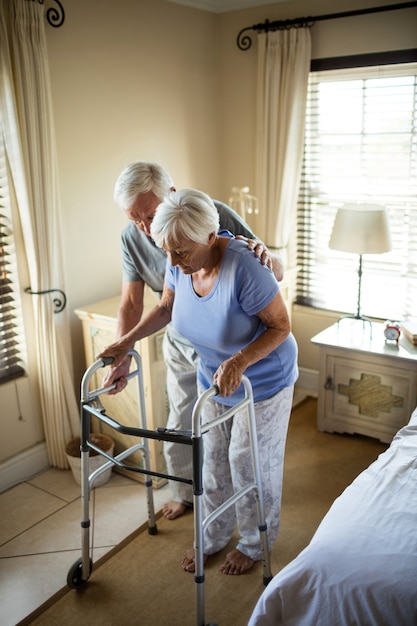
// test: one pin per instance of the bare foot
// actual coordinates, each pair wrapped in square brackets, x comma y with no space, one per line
[236,563]
[173,509]
[188,560]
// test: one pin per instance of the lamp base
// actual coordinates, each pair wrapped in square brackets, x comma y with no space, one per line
[363,318]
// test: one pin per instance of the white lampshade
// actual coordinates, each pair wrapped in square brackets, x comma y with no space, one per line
[363,229]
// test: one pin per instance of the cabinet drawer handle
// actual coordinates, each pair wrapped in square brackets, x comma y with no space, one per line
[329,383]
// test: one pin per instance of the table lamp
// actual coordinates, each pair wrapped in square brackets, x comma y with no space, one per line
[361,229]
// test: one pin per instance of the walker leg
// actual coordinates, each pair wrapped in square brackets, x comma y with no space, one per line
[262,526]
[80,571]
[198,529]
[199,523]
[85,496]
[152,528]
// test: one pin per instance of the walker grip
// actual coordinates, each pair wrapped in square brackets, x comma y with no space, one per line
[107,360]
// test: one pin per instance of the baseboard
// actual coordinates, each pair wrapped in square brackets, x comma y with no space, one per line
[308,381]
[23,466]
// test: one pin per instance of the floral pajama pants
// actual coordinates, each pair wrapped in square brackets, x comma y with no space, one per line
[228,467]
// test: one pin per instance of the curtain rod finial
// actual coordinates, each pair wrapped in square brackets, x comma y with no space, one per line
[244,42]
[55,17]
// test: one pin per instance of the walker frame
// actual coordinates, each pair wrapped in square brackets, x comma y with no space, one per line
[80,571]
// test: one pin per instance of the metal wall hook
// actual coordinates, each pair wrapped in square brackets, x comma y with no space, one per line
[55,17]
[60,304]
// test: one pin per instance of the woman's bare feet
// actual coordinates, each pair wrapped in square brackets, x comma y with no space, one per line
[188,560]
[236,563]
[173,509]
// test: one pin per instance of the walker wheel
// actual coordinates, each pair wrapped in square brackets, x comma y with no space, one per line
[74,577]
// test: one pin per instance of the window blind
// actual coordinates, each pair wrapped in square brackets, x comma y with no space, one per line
[360,146]
[11,329]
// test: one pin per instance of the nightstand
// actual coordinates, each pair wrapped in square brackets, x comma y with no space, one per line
[366,385]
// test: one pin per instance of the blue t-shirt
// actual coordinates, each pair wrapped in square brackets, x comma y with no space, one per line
[225,321]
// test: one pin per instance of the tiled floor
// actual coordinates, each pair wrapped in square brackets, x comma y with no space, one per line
[40,533]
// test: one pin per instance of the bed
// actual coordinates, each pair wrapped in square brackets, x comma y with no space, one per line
[360,567]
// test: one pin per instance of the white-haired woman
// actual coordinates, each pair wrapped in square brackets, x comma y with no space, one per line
[139,189]
[228,305]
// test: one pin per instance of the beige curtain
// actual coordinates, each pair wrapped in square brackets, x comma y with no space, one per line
[27,126]
[283,67]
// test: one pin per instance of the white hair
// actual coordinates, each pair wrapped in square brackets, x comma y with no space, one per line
[141,177]
[186,213]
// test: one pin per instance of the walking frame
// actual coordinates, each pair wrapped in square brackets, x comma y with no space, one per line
[80,571]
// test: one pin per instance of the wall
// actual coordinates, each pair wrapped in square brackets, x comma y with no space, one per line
[130,80]
[155,80]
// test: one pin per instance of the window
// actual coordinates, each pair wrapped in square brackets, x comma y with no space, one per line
[11,328]
[360,146]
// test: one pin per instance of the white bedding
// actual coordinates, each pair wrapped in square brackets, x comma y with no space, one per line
[360,568]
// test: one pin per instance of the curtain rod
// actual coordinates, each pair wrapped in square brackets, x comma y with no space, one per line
[244,42]
[55,17]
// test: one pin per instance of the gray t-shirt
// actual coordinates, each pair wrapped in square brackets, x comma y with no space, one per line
[143,261]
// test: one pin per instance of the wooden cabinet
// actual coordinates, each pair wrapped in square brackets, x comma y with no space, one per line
[366,385]
[99,322]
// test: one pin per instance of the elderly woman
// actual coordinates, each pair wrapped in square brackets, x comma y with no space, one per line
[220,297]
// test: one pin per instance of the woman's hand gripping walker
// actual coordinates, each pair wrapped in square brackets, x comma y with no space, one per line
[117,377]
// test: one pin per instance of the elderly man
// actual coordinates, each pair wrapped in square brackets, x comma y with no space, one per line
[140,188]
